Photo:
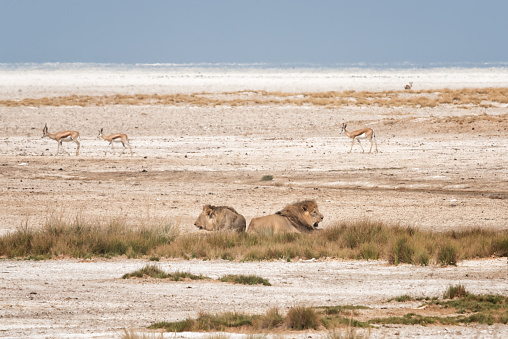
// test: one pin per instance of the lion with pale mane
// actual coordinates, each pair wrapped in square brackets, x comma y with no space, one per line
[220,218]
[302,216]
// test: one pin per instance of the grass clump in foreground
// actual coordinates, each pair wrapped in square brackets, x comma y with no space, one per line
[468,308]
[367,240]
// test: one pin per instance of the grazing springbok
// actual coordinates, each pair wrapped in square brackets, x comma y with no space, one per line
[365,133]
[62,136]
[116,137]
[409,86]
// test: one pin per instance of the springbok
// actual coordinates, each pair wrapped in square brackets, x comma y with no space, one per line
[365,133]
[409,86]
[66,136]
[116,137]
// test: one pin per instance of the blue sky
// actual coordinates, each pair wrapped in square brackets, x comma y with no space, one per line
[267,31]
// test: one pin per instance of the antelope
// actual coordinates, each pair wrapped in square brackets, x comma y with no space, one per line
[409,86]
[116,137]
[365,133]
[62,136]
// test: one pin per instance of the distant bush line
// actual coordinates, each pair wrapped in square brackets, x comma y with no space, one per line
[367,240]
[465,98]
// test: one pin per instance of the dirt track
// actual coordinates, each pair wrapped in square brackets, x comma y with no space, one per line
[429,173]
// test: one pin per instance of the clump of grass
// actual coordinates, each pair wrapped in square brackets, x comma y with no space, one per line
[207,322]
[342,309]
[412,319]
[403,298]
[245,279]
[267,178]
[271,319]
[457,291]
[154,271]
[402,251]
[302,318]
[448,255]
[177,276]
[423,258]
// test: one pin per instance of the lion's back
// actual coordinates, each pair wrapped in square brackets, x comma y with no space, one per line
[271,224]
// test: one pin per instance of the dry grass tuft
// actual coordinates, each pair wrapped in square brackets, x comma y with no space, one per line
[302,318]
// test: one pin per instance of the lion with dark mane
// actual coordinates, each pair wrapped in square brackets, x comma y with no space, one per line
[220,218]
[302,216]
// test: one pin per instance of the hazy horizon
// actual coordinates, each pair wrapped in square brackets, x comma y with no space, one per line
[274,32]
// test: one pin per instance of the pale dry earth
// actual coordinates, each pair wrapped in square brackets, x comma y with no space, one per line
[429,173]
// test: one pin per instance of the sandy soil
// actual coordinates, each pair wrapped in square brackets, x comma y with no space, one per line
[429,173]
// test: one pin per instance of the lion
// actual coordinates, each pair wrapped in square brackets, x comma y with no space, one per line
[302,216]
[220,218]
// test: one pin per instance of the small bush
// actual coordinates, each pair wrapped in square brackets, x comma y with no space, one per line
[402,251]
[404,298]
[302,318]
[500,246]
[271,319]
[448,255]
[457,291]
[423,258]
[267,178]
[245,279]
[152,271]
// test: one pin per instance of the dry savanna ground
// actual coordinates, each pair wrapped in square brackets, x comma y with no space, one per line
[441,166]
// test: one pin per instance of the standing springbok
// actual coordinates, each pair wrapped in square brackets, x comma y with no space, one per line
[409,86]
[62,136]
[112,138]
[365,133]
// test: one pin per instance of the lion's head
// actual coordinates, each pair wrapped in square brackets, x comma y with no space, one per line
[304,215]
[216,218]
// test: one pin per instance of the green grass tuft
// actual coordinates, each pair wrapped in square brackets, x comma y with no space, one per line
[245,279]
[457,291]
[154,271]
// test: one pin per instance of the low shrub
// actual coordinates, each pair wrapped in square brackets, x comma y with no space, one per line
[245,279]
[302,318]
[448,255]
[457,291]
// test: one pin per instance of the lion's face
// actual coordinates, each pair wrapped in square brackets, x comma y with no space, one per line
[205,220]
[311,215]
